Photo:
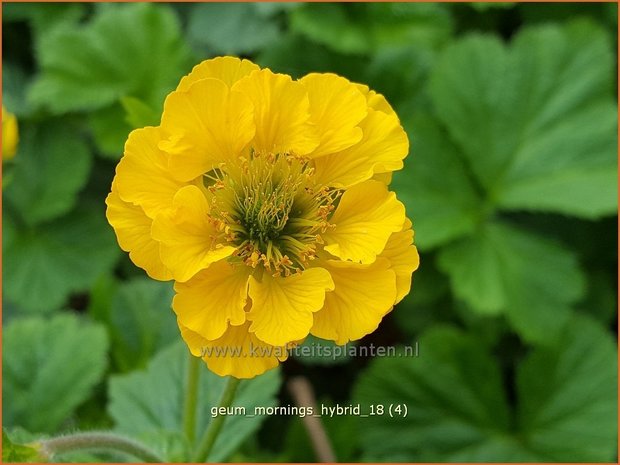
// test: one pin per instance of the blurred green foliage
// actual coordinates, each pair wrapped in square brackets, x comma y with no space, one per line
[511,184]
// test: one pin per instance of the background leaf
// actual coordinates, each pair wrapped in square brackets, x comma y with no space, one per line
[450,407]
[49,368]
[504,269]
[568,396]
[149,404]
[535,120]
[52,168]
[12,452]
[210,27]
[437,188]
[43,266]
[511,185]
[140,321]
[320,352]
[566,407]
[14,85]
[361,28]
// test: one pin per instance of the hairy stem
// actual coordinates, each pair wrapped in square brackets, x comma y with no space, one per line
[303,394]
[97,441]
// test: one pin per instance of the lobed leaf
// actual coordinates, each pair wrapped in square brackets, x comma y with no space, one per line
[134,50]
[49,367]
[536,121]
[457,411]
[44,265]
[149,404]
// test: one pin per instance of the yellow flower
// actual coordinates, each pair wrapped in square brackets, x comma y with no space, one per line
[10,135]
[266,200]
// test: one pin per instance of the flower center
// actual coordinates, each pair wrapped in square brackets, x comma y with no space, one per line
[270,207]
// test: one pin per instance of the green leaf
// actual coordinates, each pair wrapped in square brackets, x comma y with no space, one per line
[101,294]
[486,6]
[537,120]
[149,404]
[138,113]
[141,321]
[285,57]
[429,304]
[125,50]
[52,168]
[44,17]
[568,396]
[43,265]
[364,28]
[400,73]
[453,393]
[457,410]
[502,269]
[12,452]
[421,25]
[328,24]
[436,188]
[548,12]
[110,130]
[14,85]
[321,352]
[231,28]
[49,367]
[601,298]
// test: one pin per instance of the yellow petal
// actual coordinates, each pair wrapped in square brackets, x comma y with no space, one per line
[281,113]
[142,176]
[213,298]
[226,69]
[362,295]
[336,108]
[205,125]
[382,149]
[375,101]
[133,231]
[385,178]
[237,353]
[364,220]
[282,307]
[10,135]
[404,259]
[188,239]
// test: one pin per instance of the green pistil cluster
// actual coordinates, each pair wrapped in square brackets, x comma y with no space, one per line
[271,209]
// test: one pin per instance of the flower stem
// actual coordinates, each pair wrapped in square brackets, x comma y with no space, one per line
[207,441]
[191,396]
[97,440]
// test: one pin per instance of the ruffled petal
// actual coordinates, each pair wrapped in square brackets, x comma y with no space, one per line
[364,220]
[189,241]
[385,178]
[206,125]
[281,113]
[237,353]
[133,231]
[382,149]
[336,108]
[282,307]
[142,176]
[226,69]
[213,298]
[403,257]
[375,100]
[362,295]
